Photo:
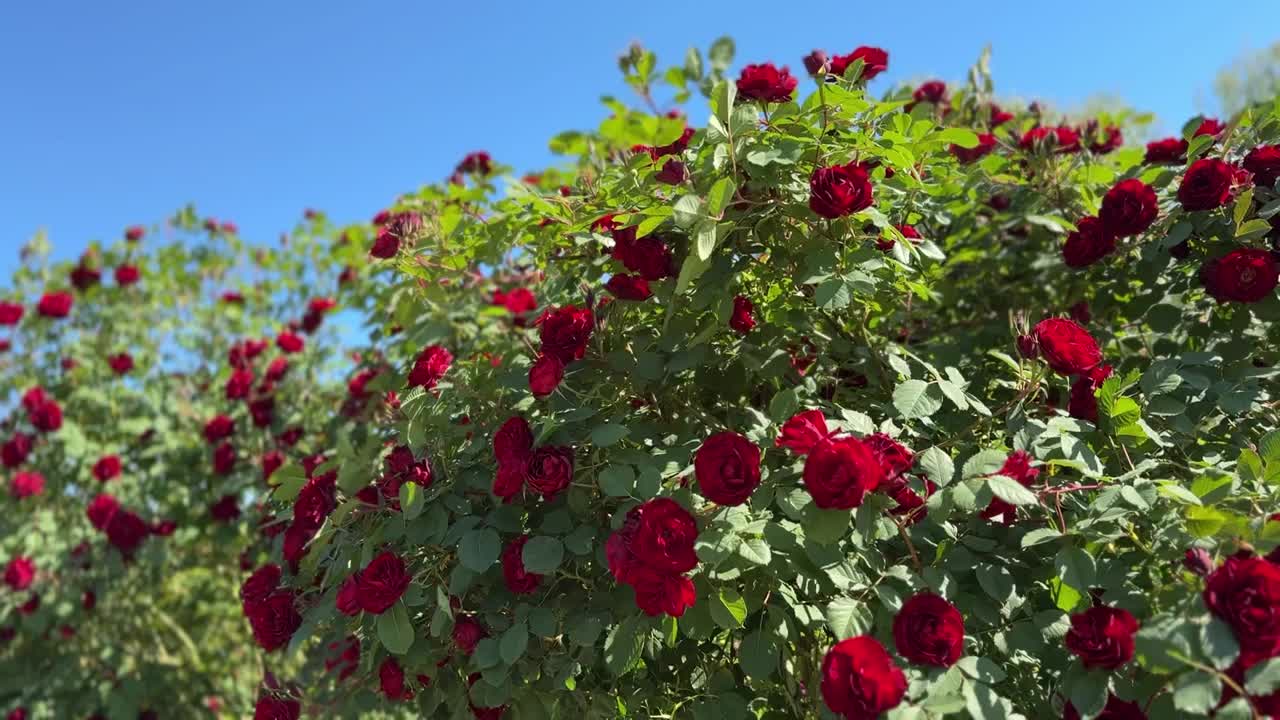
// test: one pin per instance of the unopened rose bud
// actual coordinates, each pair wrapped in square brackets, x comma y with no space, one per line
[1027,347]
[1198,561]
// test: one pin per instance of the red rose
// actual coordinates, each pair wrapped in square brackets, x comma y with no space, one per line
[839,190]
[258,586]
[134,233]
[518,580]
[513,442]
[126,275]
[549,471]
[1068,348]
[932,91]
[1128,208]
[1112,138]
[84,277]
[1209,126]
[27,484]
[382,582]
[385,245]
[263,411]
[545,374]
[20,573]
[1017,466]
[860,680]
[673,172]
[727,466]
[224,458]
[874,61]
[225,509]
[273,707]
[1264,162]
[391,680]
[659,593]
[1083,403]
[475,162]
[743,318]
[401,464]
[219,427]
[565,332]
[1115,709]
[1245,594]
[1206,185]
[430,366]
[274,620]
[126,531]
[1167,151]
[107,467]
[1102,637]
[1058,139]
[629,287]
[54,304]
[15,450]
[814,62]
[766,83]
[986,143]
[803,432]
[1089,243]
[1245,275]
[289,342]
[10,312]
[239,384]
[839,474]
[658,534]
[649,256]
[101,509]
[467,631]
[928,630]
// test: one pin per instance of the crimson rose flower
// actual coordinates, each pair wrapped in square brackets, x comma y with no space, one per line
[986,143]
[126,531]
[518,580]
[10,312]
[1245,275]
[126,275]
[1207,184]
[1167,151]
[101,509]
[661,535]
[1112,138]
[258,586]
[766,83]
[874,61]
[467,631]
[27,484]
[673,172]
[549,470]
[1017,466]
[225,509]
[224,458]
[1083,403]
[391,680]
[107,467]
[650,256]
[239,384]
[629,287]
[814,62]
[274,620]
[382,582]
[565,332]
[19,573]
[743,317]
[54,304]
[1264,162]
[1089,243]
[218,428]
[348,598]
[839,190]
[546,373]
[839,474]
[803,432]
[1059,139]
[659,593]
[289,342]
[727,466]
[1244,592]
[894,458]
[430,366]
[860,680]
[385,245]
[932,91]
[1128,208]
[1209,126]
[928,630]
[1102,637]
[274,707]
[15,450]
[1068,348]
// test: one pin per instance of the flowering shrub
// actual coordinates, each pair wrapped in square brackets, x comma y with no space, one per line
[840,404]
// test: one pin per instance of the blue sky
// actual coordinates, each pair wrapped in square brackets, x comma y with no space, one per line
[119,112]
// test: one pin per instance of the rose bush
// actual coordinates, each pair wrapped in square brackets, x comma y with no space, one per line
[898,404]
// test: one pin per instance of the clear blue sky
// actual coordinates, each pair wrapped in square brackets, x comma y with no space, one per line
[118,112]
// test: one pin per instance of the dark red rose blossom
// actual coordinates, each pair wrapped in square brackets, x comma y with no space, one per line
[101,509]
[840,473]
[260,584]
[1057,139]
[1102,637]
[928,630]
[391,680]
[545,375]
[1128,208]
[275,707]
[629,287]
[1244,275]
[518,580]
[658,593]
[743,318]
[1090,242]
[894,458]
[1068,348]
[385,244]
[1083,402]
[226,509]
[54,304]
[11,313]
[1167,151]
[348,599]
[727,467]
[126,275]
[20,573]
[1112,138]
[660,534]
[84,277]
[986,143]
[164,528]
[859,679]
[134,233]
[106,468]
[673,172]
[1115,709]
[477,162]
[42,410]
[430,367]
[1207,184]
[565,332]
[224,458]
[1198,561]
[650,256]
[1017,466]
[120,363]
[840,190]
[931,91]
[274,620]
[289,342]
[1264,162]
[26,484]
[15,450]
[766,83]
[126,531]
[874,61]
[467,632]
[803,432]
[1244,592]
[382,582]
[815,62]
[239,384]
[1209,126]
[549,471]
[908,231]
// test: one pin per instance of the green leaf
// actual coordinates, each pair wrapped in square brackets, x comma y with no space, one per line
[622,646]
[1039,536]
[607,434]
[1196,692]
[1219,643]
[720,195]
[1205,521]
[1011,491]
[984,462]
[1263,678]
[617,480]
[542,554]
[479,549]
[755,551]
[288,480]
[937,464]
[728,609]
[1269,447]
[848,617]
[960,136]
[758,655]
[704,240]
[411,500]
[395,632]
[513,643]
[1076,568]
[916,399]
[825,526]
